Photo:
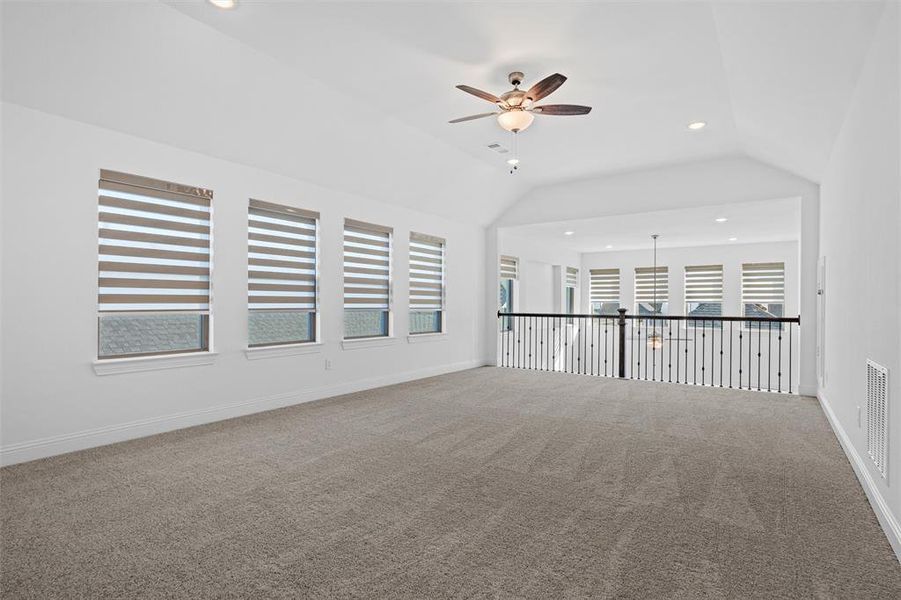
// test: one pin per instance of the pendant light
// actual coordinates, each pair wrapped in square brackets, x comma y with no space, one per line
[655,340]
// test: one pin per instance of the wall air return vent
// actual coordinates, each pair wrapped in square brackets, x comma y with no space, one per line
[877,417]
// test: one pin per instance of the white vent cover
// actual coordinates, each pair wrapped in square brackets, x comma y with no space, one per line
[877,419]
[498,148]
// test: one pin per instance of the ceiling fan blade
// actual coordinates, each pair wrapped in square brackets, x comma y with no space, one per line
[545,86]
[479,93]
[562,109]
[474,117]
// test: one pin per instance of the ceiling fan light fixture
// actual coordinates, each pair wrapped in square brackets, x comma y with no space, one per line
[697,125]
[515,120]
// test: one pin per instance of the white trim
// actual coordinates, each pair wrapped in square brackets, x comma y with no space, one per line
[376,342]
[275,351]
[417,338]
[115,366]
[80,440]
[807,390]
[884,515]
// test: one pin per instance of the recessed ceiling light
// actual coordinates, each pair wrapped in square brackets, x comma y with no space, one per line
[608,246]
[697,125]
[512,161]
[226,4]
[721,220]
[733,239]
[568,232]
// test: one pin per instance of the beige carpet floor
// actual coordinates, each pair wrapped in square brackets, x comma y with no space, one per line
[490,483]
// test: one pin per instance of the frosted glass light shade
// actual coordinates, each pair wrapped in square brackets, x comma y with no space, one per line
[515,120]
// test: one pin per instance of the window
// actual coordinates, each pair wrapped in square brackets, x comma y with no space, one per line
[763,289]
[645,281]
[572,280]
[509,272]
[154,267]
[281,274]
[704,293]
[367,280]
[604,291]
[426,284]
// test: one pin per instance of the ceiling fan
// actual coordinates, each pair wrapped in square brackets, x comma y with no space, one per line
[517,108]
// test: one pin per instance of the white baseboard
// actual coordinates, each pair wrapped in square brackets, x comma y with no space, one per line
[81,440]
[887,520]
[807,390]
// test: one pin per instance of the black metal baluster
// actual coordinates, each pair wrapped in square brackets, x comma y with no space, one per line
[739,354]
[722,330]
[779,367]
[694,352]
[703,350]
[669,358]
[769,354]
[730,354]
[509,335]
[750,352]
[644,345]
[759,334]
[553,343]
[591,333]
[791,367]
[678,352]
[636,350]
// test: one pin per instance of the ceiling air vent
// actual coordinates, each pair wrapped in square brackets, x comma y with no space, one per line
[877,419]
[498,148]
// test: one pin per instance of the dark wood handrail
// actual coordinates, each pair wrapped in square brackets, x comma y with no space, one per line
[656,317]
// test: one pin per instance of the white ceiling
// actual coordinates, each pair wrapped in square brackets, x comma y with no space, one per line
[772,79]
[356,96]
[749,222]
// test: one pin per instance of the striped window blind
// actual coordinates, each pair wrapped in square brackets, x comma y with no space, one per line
[281,274]
[367,279]
[704,283]
[763,283]
[509,267]
[604,290]
[154,266]
[644,284]
[572,277]
[426,283]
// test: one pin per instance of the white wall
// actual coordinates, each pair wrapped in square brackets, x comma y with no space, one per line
[540,283]
[676,259]
[713,182]
[52,401]
[859,229]
[703,183]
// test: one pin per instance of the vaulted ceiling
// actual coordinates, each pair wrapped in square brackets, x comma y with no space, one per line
[357,95]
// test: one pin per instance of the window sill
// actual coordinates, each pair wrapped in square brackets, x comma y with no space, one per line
[116,366]
[418,338]
[358,344]
[260,352]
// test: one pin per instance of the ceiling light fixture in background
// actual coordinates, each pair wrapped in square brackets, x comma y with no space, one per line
[697,125]
[733,239]
[721,220]
[224,4]
[568,232]
[608,246]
